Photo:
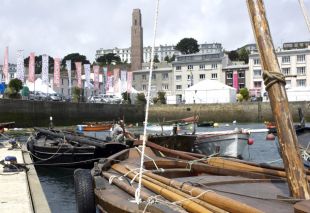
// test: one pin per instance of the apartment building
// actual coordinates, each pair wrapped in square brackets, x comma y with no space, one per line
[161,51]
[191,69]
[237,76]
[12,71]
[294,64]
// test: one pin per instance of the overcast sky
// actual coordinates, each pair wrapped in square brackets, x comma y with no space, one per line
[60,27]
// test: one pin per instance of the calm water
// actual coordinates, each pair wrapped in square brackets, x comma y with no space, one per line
[58,184]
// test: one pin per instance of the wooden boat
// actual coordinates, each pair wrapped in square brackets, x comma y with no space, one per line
[229,143]
[50,147]
[176,184]
[97,127]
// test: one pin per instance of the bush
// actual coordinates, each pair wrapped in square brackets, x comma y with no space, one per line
[141,99]
[76,91]
[245,93]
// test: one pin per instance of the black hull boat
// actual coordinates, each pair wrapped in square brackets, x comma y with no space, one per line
[65,149]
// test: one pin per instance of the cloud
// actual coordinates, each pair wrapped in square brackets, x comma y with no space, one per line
[58,27]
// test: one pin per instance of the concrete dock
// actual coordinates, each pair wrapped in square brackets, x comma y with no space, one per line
[21,191]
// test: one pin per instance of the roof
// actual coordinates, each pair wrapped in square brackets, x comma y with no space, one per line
[209,85]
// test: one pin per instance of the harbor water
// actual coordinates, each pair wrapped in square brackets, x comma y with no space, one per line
[58,183]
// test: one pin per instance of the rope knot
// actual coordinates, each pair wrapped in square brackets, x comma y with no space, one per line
[271,78]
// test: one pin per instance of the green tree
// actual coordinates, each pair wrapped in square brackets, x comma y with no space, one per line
[233,55]
[244,55]
[76,92]
[245,93]
[126,97]
[108,59]
[74,57]
[12,91]
[162,97]
[156,60]
[167,58]
[187,46]
[172,58]
[141,99]
[38,64]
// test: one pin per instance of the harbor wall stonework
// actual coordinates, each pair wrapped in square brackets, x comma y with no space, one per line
[36,113]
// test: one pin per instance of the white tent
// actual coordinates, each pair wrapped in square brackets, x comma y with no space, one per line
[298,94]
[39,86]
[210,91]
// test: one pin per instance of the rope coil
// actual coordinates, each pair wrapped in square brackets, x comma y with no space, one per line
[271,78]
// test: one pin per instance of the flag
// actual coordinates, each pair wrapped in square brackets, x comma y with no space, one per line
[78,66]
[129,81]
[104,80]
[6,65]
[87,75]
[45,79]
[116,79]
[57,72]
[68,65]
[96,76]
[31,70]
[123,81]
[20,69]
[235,80]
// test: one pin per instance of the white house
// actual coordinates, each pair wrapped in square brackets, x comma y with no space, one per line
[210,91]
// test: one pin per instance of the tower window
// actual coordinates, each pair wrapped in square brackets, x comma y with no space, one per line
[135,21]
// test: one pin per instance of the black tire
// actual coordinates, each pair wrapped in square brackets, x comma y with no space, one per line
[84,192]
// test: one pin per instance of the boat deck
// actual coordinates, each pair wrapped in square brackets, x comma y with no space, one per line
[16,187]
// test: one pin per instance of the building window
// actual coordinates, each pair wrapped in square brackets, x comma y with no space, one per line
[241,85]
[257,84]
[286,59]
[241,74]
[11,75]
[190,67]
[143,77]
[256,61]
[286,71]
[178,77]
[188,85]
[178,68]
[202,66]
[153,76]
[301,70]
[202,76]
[143,86]
[288,83]
[214,76]
[213,66]
[62,81]
[62,90]
[165,87]
[189,77]
[301,58]
[165,76]
[257,73]
[301,82]
[179,87]
[229,75]
[133,78]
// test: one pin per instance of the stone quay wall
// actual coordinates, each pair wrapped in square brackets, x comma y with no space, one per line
[27,113]
[245,112]
[37,113]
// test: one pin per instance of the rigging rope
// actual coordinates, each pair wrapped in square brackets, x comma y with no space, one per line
[138,191]
[302,5]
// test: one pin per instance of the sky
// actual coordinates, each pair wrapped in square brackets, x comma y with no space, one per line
[61,27]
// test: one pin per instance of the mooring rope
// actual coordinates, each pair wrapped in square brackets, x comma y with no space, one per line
[138,191]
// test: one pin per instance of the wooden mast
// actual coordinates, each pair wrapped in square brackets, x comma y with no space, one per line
[275,82]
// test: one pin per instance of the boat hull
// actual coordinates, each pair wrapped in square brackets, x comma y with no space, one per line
[228,145]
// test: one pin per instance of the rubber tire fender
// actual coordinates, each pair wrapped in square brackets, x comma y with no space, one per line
[84,192]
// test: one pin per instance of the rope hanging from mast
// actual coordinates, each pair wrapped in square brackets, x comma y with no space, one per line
[302,5]
[138,190]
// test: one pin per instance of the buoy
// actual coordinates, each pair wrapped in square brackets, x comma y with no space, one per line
[250,141]
[270,137]
[215,125]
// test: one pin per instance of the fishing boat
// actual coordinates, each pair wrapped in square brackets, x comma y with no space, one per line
[95,127]
[51,147]
[180,183]
[230,143]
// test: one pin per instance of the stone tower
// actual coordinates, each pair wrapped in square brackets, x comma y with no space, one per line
[136,41]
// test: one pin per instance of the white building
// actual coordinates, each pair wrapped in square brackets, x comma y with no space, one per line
[161,51]
[294,64]
[191,69]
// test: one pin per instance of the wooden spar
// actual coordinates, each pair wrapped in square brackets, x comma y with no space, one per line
[200,202]
[211,197]
[171,196]
[293,165]
[72,137]
[127,188]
